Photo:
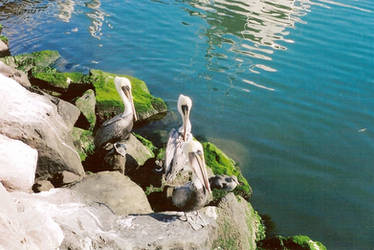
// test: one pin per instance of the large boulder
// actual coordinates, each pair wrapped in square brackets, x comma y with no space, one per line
[110,104]
[44,123]
[17,164]
[49,78]
[240,226]
[116,191]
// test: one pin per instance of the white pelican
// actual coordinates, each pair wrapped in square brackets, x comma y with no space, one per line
[175,159]
[120,126]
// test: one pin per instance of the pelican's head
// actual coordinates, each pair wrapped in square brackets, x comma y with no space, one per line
[123,87]
[196,161]
[184,108]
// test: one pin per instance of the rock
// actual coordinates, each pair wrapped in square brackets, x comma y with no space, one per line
[42,185]
[86,105]
[15,74]
[83,142]
[239,224]
[292,242]
[4,49]
[17,164]
[26,62]
[221,164]
[50,79]
[137,153]
[110,104]
[116,191]
[42,122]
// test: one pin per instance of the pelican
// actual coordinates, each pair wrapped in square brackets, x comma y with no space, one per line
[175,159]
[224,182]
[120,126]
[195,194]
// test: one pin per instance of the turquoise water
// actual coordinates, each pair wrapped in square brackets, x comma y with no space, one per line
[284,87]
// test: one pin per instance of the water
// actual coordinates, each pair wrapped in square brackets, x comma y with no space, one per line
[284,87]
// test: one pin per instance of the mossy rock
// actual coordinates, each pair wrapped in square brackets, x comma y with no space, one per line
[26,62]
[86,104]
[239,224]
[4,39]
[147,143]
[50,79]
[83,142]
[220,163]
[110,104]
[1,28]
[301,242]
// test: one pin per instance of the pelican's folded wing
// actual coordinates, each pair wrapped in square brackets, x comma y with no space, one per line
[170,150]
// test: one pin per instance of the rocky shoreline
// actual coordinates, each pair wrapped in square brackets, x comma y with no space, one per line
[55,196]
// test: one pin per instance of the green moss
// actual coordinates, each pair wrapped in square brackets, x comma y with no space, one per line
[305,242]
[4,39]
[147,143]
[107,97]
[261,229]
[151,189]
[289,243]
[26,62]
[58,79]
[220,163]
[161,154]
[228,238]
[1,28]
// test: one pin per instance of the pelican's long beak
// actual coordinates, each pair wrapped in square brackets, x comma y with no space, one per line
[128,94]
[186,117]
[201,172]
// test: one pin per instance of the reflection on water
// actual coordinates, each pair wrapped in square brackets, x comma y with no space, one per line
[250,30]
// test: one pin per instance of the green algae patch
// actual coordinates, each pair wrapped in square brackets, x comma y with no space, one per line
[302,242]
[26,62]
[4,39]
[48,77]
[110,104]
[220,163]
[147,143]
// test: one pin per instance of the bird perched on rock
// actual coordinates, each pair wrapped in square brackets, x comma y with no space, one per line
[175,159]
[119,127]
[223,182]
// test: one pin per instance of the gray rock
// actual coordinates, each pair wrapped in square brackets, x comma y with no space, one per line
[137,153]
[86,105]
[17,75]
[42,122]
[238,223]
[83,142]
[116,191]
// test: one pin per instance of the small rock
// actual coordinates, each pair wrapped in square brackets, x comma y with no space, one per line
[116,191]
[4,49]
[42,185]
[86,105]
[69,177]
[15,74]
[137,153]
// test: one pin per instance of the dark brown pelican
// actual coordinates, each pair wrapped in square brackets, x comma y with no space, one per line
[175,159]
[223,182]
[196,194]
[119,127]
